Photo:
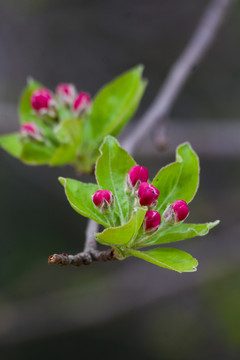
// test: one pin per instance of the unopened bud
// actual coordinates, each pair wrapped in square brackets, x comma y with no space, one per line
[42,101]
[32,130]
[137,174]
[177,211]
[66,93]
[181,210]
[103,199]
[147,194]
[152,220]
[82,103]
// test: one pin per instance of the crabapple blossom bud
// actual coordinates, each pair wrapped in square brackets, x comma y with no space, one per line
[66,93]
[102,199]
[181,210]
[152,220]
[32,130]
[147,194]
[42,101]
[175,212]
[82,103]
[137,173]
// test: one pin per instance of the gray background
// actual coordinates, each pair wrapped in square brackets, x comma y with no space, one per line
[122,309]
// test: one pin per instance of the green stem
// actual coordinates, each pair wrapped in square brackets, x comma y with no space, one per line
[131,202]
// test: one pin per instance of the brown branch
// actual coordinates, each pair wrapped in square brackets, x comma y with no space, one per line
[83,258]
[198,45]
[89,254]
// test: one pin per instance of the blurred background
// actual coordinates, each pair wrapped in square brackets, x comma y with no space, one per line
[129,309]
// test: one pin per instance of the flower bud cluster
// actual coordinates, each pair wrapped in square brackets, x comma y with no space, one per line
[44,104]
[144,194]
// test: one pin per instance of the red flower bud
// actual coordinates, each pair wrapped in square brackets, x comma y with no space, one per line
[66,93]
[42,100]
[180,208]
[147,194]
[31,129]
[102,198]
[152,220]
[137,173]
[82,102]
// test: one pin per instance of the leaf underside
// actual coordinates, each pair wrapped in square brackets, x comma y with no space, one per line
[168,258]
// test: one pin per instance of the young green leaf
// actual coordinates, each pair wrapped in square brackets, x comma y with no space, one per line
[64,112]
[12,144]
[176,232]
[64,154]
[79,196]
[116,102]
[111,170]
[25,109]
[178,180]
[168,258]
[34,153]
[69,132]
[122,235]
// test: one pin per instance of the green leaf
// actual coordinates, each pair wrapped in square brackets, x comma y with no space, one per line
[34,153]
[116,103]
[69,131]
[111,170]
[47,131]
[25,109]
[178,180]
[12,144]
[168,258]
[64,154]
[177,232]
[64,111]
[79,196]
[122,235]
[132,108]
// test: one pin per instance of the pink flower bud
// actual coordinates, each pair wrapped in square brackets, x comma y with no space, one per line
[82,103]
[137,173]
[32,130]
[66,93]
[152,220]
[176,212]
[180,208]
[42,100]
[102,199]
[147,193]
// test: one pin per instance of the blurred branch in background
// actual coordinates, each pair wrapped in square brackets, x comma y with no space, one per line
[159,110]
[197,47]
